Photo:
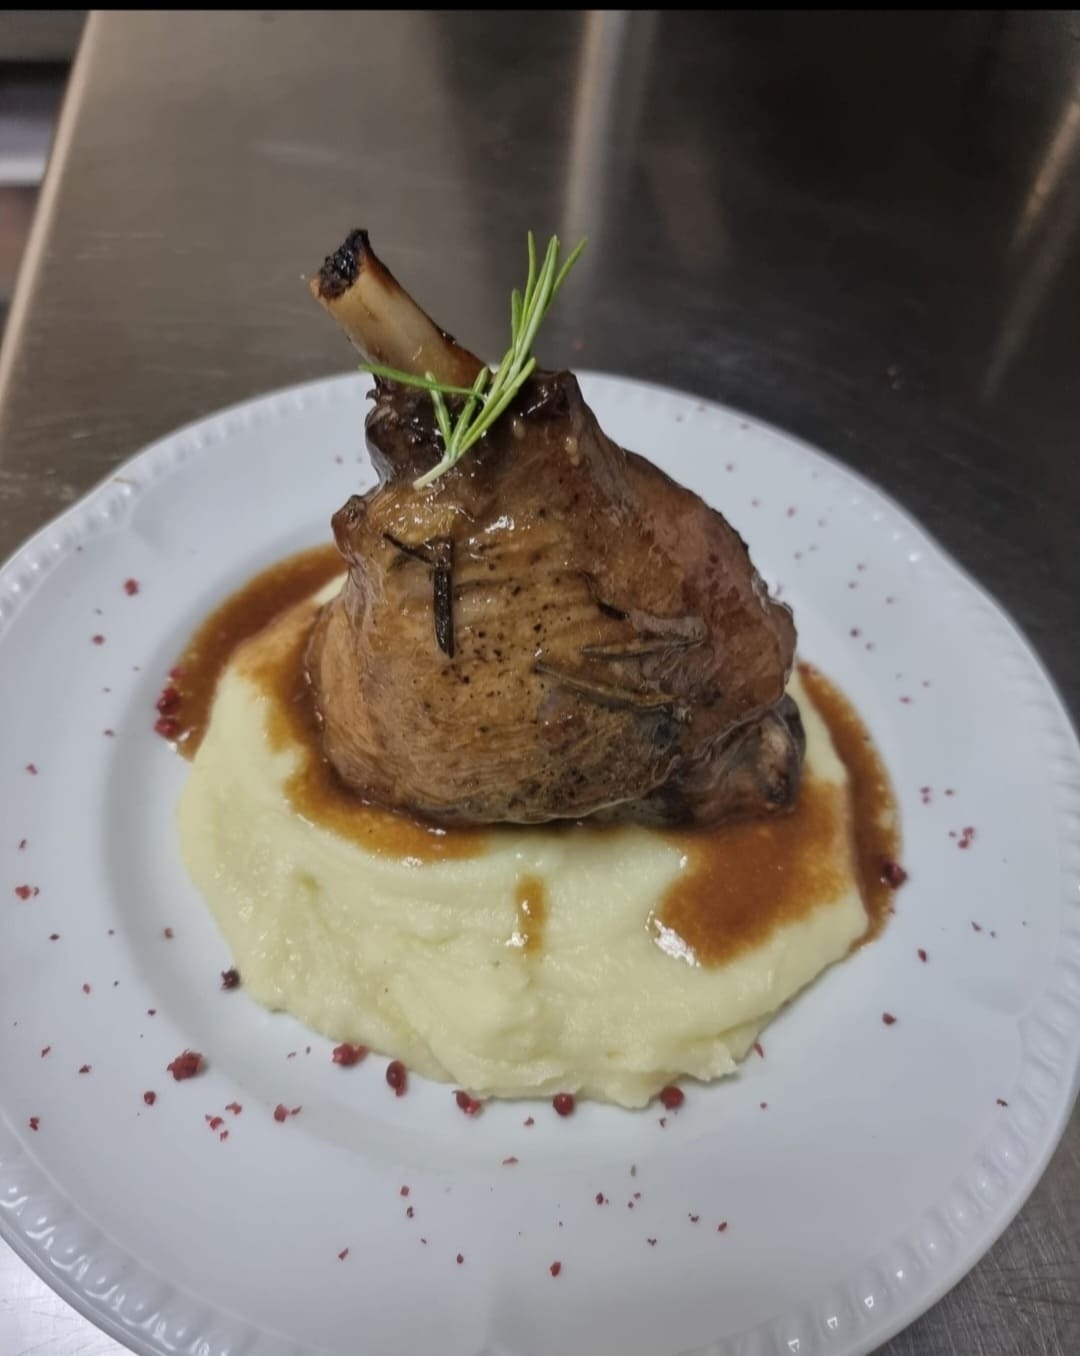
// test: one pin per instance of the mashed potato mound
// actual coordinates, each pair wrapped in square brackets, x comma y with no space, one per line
[536,963]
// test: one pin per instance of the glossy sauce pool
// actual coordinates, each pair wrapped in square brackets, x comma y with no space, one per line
[739,882]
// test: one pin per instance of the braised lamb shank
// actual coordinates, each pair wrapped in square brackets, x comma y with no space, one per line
[553,629]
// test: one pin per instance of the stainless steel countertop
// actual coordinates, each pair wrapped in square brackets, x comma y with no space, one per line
[864,228]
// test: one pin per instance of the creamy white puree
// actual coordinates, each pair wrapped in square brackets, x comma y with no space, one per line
[423,960]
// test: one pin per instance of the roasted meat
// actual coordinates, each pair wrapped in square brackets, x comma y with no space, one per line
[553,629]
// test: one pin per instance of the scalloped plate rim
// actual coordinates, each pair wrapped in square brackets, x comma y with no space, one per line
[294,400]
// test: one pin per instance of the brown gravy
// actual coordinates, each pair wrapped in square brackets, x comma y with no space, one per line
[742,880]
[531,913]
[877,819]
[235,620]
[314,789]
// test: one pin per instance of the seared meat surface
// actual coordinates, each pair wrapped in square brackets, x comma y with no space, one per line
[553,629]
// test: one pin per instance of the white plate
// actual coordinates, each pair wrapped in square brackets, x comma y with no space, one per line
[860,1167]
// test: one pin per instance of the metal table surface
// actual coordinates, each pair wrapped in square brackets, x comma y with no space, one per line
[863,228]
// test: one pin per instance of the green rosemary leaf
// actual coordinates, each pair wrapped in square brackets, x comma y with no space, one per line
[425,383]
[493,392]
[573,257]
[442,414]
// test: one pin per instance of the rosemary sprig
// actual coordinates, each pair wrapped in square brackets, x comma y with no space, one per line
[492,392]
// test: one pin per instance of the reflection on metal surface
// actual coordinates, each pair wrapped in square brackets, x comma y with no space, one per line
[594,112]
[1059,156]
[1052,203]
[612,72]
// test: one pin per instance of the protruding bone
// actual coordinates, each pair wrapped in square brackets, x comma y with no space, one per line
[383,321]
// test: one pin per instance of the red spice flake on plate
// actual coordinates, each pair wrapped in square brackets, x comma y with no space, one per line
[22,844]
[404,1191]
[1001,1101]
[215,1122]
[167,726]
[35,1121]
[460,1259]
[922,954]
[905,701]
[168,934]
[693,1218]
[234,1107]
[926,794]
[949,791]
[151,1012]
[343,1254]
[111,734]
[672,1097]
[976,927]
[280,1112]
[410,1211]
[509,1162]
[601,1199]
[398,1077]
[722,1227]
[27,891]
[230,979]
[471,1106]
[967,837]
[85,1068]
[662,1122]
[86,988]
[149,1098]
[32,769]
[888,1018]
[555,1268]
[168,700]
[45,1050]
[186,1065]
[892,873]
[131,587]
[54,936]
[528,1121]
[223,1136]
[763,1105]
[651,1242]
[563,1102]
[759,1050]
[347,1055]
[98,640]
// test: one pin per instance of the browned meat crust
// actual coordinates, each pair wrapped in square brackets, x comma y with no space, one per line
[553,629]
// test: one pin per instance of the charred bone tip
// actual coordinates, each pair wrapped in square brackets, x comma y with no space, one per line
[341,269]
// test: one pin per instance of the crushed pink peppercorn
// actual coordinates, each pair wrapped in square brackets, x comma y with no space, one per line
[186,1065]
[347,1055]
